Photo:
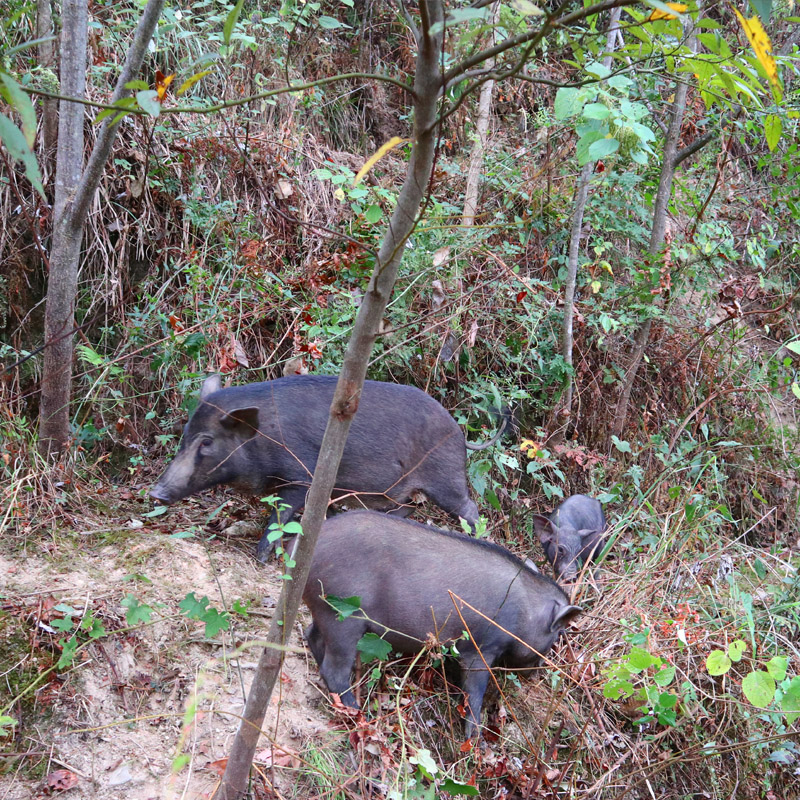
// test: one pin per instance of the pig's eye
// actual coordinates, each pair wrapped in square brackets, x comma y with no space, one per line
[206,441]
[562,551]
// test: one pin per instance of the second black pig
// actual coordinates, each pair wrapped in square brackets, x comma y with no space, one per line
[572,534]
[265,437]
[414,581]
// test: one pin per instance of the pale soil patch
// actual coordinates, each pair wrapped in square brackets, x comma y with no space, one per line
[116,719]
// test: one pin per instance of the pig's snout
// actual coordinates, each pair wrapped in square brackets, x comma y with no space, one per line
[162,495]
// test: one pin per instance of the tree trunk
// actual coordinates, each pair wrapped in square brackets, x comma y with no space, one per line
[658,231]
[581,195]
[46,54]
[62,283]
[71,208]
[427,86]
[481,128]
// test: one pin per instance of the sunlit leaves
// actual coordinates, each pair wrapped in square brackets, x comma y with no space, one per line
[762,47]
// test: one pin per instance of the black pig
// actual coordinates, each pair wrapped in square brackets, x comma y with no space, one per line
[403,573]
[265,437]
[572,534]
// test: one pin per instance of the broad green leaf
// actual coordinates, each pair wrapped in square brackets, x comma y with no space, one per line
[793,346]
[157,511]
[773,128]
[373,213]
[759,688]
[596,111]
[424,760]
[137,86]
[192,607]
[16,144]
[603,148]
[20,101]
[597,69]
[776,667]
[790,702]
[567,103]
[717,663]
[137,612]
[623,447]
[449,786]
[215,622]
[148,101]
[9,722]
[796,389]
[616,688]
[330,23]
[639,659]
[665,676]
[584,143]
[125,102]
[736,650]
[667,700]
[526,8]
[230,22]
[372,647]
[344,606]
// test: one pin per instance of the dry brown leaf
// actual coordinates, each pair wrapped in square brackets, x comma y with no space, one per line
[61,780]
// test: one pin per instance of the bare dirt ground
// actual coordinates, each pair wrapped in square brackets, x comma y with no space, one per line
[135,701]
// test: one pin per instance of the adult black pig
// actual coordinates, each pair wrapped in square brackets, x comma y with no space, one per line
[403,573]
[572,534]
[265,437]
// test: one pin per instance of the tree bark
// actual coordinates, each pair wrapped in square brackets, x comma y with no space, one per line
[73,195]
[481,129]
[427,87]
[46,55]
[657,234]
[581,195]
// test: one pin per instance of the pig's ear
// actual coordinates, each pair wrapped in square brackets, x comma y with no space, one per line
[544,528]
[241,420]
[531,566]
[564,616]
[213,383]
[587,534]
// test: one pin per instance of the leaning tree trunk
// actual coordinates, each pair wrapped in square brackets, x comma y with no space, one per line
[581,195]
[427,86]
[72,207]
[670,162]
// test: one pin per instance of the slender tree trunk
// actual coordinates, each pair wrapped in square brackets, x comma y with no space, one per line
[46,54]
[481,129]
[660,209]
[581,195]
[427,86]
[72,207]
[62,283]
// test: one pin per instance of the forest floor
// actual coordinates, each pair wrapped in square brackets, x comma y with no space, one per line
[117,719]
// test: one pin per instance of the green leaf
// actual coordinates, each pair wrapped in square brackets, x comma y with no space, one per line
[424,760]
[790,702]
[344,606]
[763,8]
[759,688]
[596,111]
[623,447]
[451,787]
[157,512]
[373,213]
[372,647]
[492,499]
[736,650]
[602,148]
[665,676]
[230,21]
[16,144]
[20,101]
[526,8]
[717,663]
[796,389]
[148,101]
[192,607]
[182,535]
[68,649]
[63,625]
[137,612]
[777,667]
[215,622]
[137,86]
[5,723]
[584,144]
[567,103]
[773,128]
[329,23]
[639,659]
[667,700]
[794,347]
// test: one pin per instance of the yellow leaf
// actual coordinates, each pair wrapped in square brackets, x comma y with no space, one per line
[678,8]
[607,267]
[596,287]
[762,47]
[189,82]
[339,195]
[377,156]
[162,84]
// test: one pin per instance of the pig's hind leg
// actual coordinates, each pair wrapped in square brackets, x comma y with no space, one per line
[315,642]
[474,680]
